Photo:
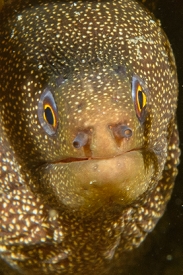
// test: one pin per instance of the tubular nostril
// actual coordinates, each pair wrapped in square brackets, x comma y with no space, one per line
[122,131]
[80,140]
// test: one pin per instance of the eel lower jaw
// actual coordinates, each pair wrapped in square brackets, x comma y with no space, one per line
[87,184]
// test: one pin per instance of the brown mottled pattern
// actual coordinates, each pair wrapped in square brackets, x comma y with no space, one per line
[69,210]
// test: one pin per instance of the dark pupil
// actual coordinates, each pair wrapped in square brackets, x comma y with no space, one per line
[49,115]
[140,98]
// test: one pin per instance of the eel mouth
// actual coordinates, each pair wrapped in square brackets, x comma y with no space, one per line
[82,159]
[71,159]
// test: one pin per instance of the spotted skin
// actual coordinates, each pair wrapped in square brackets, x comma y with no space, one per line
[68,209]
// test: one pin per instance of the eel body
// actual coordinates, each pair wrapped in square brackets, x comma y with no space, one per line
[88,134]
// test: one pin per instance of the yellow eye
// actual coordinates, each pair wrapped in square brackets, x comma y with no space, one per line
[49,115]
[139,98]
[47,112]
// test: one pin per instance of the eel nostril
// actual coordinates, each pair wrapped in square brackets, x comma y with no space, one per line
[80,140]
[122,131]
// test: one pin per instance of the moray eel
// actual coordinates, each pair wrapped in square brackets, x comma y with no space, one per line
[88,135]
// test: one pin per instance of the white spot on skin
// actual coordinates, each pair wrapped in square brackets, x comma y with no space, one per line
[93,181]
[19,17]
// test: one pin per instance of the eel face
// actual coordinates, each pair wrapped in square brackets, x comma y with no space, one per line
[88,134]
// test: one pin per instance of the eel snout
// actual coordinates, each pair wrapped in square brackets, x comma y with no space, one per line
[119,132]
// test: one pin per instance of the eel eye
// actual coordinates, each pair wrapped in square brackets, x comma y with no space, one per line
[139,98]
[47,113]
